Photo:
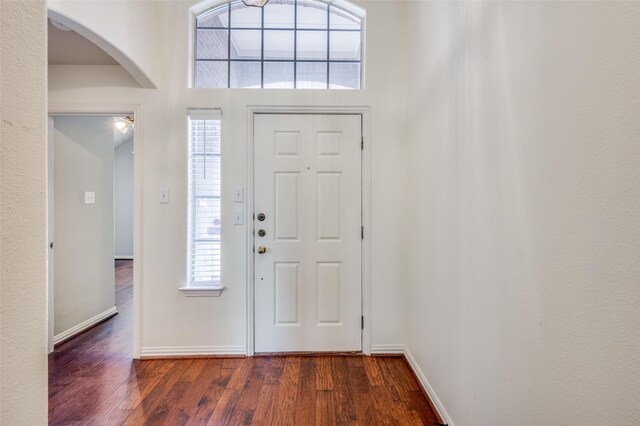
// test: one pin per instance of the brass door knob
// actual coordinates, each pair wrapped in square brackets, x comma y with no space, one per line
[262,250]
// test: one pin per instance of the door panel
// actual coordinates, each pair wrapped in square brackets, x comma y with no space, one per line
[308,186]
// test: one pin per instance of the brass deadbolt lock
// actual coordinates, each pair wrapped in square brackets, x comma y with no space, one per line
[262,233]
[261,217]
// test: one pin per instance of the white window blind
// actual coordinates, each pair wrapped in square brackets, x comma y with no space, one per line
[204,197]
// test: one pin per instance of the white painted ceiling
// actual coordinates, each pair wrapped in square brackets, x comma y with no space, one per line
[70,48]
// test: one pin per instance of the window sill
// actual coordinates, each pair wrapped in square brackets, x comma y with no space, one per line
[202,291]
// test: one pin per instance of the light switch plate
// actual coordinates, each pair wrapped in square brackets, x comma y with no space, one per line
[238,217]
[164,196]
[89,197]
[238,195]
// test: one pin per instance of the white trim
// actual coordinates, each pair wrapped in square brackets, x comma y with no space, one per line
[202,291]
[118,55]
[127,257]
[365,112]
[138,190]
[184,351]
[444,415]
[205,5]
[366,223]
[85,325]
[387,349]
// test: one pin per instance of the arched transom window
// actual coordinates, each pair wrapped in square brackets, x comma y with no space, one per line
[287,44]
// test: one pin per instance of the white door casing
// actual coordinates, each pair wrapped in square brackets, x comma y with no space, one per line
[50,235]
[307,183]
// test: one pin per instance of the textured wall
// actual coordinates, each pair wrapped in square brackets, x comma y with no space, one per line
[23,350]
[524,173]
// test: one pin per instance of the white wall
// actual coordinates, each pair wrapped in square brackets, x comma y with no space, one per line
[123,198]
[126,30]
[524,242]
[23,238]
[84,277]
[169,319]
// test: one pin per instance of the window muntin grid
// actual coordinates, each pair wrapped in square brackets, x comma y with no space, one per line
[286,44]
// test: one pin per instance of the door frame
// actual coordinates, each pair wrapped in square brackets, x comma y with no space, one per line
[364,112]
[138,162]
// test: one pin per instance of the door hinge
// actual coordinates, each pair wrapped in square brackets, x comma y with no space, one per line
[362,322]
[362,232]
[361,143]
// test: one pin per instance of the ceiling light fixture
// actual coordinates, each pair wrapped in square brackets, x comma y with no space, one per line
[255,3]
[123,124]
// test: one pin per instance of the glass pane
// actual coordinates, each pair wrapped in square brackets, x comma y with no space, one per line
[311,75]
[344,76]
[279,14]
[312,45]
[205,139]
[206,218]
[204,175]
[345,45]
[246,44]
[215,18]
[278,75]
[212,44]
[278,44]
[211,74]
[245,16]
[341,20]
[312,14]
[245,75]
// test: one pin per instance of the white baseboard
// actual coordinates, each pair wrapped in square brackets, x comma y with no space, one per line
[74,331]
[186,351]
[428,388]
[387,349]
[118,257]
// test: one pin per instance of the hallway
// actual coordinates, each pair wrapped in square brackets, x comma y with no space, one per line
[93,380]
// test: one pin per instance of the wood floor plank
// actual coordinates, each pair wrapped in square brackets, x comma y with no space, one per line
[227,402]
[206,405]
[306,397]
[197,381]
[343,399]
[265,406]
[364,402]
[373,373]
[94,381]
[324,379]
[325,408]
[284,409]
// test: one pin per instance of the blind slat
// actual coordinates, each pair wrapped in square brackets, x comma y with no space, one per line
[204,195]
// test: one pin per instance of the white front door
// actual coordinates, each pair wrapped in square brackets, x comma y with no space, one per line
[307,184]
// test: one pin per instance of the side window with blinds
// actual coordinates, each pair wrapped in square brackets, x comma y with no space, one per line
[204,199]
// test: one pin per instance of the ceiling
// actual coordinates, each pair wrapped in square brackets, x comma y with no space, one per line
[70,48]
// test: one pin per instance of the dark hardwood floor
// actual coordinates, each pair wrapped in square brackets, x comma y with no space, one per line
[94,381]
